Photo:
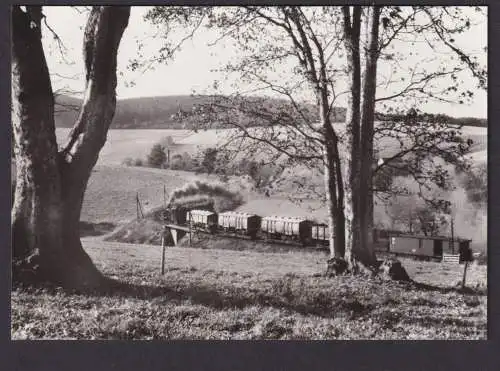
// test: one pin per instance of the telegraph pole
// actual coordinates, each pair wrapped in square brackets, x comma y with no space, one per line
[163,244]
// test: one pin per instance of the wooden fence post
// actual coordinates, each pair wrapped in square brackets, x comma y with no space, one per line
[190,227]
[466,265]
[163,243]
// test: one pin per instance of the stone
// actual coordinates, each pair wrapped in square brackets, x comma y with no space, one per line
[392,269]
[336,266]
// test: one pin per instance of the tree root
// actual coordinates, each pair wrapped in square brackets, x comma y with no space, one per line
[74,272]
[389,269]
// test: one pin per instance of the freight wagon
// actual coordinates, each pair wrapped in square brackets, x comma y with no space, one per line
[320,234]
[279,227]
[241,223]
[430,247]
[203,219]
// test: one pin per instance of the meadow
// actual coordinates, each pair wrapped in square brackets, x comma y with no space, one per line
[224,289]
[223,294]
[136,143]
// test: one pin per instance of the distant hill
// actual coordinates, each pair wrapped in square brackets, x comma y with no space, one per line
[160,112]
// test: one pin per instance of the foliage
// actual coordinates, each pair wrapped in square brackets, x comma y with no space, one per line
[209,161]
[412,214]
[157,157]
[475,183]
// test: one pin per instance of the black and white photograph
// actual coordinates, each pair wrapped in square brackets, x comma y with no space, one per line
[286,172]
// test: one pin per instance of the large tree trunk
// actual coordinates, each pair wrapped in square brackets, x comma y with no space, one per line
[353,116]
[49,185]
[366,253]
[36,212]
[334,182]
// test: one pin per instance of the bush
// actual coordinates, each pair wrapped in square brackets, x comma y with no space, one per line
[182,162]
[138,162]
[475,183]
[209,162]
[157,157]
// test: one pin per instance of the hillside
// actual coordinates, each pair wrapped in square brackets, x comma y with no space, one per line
[159,112]
[154,112]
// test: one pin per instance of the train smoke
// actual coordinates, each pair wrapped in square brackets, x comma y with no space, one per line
[224,199]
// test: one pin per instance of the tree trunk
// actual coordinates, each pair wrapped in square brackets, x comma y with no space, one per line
[353,115]
[366,253]
[334,200]
[36,212]
[49,185]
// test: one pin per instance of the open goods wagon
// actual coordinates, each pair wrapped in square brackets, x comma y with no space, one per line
[203,219]
[320,234]
[243,223]
[178,214]
[287,228]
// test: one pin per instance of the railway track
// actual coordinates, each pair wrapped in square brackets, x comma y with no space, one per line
[258,238]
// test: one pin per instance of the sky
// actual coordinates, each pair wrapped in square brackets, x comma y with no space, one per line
[192,70]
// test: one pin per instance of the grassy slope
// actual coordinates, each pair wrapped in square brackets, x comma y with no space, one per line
[221,294]
[111,192]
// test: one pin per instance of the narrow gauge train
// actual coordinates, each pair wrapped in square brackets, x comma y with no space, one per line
[279,228]
[244,224]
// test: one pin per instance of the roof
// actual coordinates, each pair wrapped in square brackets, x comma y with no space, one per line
[423,237]
[201,212]
[236,213]
[287,218]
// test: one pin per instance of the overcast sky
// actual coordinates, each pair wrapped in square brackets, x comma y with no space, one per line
[190,71]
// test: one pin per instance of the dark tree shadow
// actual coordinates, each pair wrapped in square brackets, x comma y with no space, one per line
[445,290]
[237,298]
[320,305]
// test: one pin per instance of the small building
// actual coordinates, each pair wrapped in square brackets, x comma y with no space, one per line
[429,246]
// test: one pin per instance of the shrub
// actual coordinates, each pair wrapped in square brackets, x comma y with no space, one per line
[138,162]
[157,157]
[182,162]
[475,183]
[209,162]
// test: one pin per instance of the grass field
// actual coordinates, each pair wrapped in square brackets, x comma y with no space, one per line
[123,143]
[223,294]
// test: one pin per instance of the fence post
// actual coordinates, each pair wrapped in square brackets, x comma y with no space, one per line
[163,243]
[137,205]
[190,227]
[164,196]
[465,273]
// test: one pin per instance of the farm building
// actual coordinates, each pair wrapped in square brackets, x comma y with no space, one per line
[429,246]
